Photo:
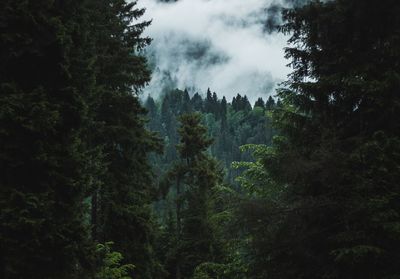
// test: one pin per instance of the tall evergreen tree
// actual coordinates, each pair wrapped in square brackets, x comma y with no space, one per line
[46,83]
[155,123]
[246,106]
[270,104]
[123,200]
[194,177]
[208,102]
[186,105]
[224,112]
[197,102]
[259,103]
[337,161]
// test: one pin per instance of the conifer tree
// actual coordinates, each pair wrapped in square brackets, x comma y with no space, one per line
[186,105]
[194,177]
[123,202]
[270,104]
[197,102]
[73,136]
[46,83]
[208,102]
[246,106]
[224,111]
[335,214]
[259,103]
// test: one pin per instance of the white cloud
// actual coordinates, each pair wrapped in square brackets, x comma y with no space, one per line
[219,44]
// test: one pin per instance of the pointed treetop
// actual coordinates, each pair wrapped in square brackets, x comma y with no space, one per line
[259,103]
[194,140]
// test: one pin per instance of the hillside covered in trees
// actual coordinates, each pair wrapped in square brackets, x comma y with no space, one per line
[229,124]
[99,182]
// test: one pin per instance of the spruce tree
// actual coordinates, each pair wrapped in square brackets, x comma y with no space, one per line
[194,177]
[270,104]
[46,84]
[335,214]
[186,104]
[259,103]
[123,200]
[197,102]
[208,102]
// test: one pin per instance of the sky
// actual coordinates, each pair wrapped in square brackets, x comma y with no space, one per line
[218,44]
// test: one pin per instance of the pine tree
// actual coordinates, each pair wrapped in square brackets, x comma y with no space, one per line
[194,177]
[259,103]
[245,105]
[335,214]
[197,102]
[215,106]
[236,102]
[186,105]
[73,135]
[46,83]
[153,115]
[270,104]
[123,201]
[170,128]
[208,102]
[224,112]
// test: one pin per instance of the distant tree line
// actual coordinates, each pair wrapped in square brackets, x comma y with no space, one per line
[229,124]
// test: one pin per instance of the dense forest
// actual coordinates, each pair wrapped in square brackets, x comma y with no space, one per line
[99,182]
[230,125]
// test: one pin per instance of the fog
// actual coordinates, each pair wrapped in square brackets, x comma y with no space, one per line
[229,46]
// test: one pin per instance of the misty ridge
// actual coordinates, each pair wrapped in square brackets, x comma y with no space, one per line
[229,46]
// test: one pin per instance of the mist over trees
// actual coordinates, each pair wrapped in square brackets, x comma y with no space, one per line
[209,48]
[99,183]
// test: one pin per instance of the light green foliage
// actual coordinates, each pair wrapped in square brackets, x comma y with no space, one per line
[255,178]
[111,266]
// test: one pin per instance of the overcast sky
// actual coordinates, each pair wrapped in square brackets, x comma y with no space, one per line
[221,44]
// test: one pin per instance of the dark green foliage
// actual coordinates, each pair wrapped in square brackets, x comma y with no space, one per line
[270,104]
[155,123]
[72,137]
[335,213]
[197,102]
[259,103]
[321,200]
[186,105]
[229,127]
[193,178]
[184,244]
[45,83]
[121,204]
[197,239]
[193,138]
[241,103]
